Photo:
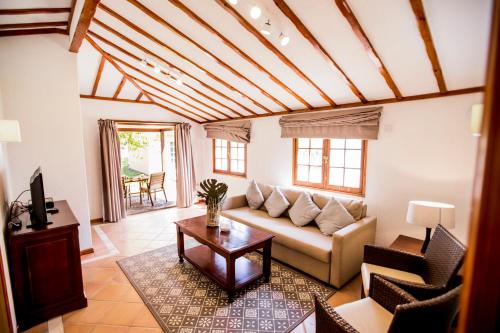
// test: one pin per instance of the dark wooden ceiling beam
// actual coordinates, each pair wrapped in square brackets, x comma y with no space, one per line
[288,12]
[418,9]
[120,87]
[33,25]
[115,65]
[133,56]
[250,28]
[88,12]
[238,51]
[151,53]
[38,31]
[219,61]
[373,102]
[102,62]
[344,8]
[174,97]
[101,98]
[31,11]
[174,101]
[138,98]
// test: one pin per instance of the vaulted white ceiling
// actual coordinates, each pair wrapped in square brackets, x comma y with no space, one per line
[219,83]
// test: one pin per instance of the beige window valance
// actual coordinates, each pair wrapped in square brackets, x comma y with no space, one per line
[350,124]
[238,131]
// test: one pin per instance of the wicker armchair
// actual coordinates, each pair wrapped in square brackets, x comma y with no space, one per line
[388,309]
[434,272]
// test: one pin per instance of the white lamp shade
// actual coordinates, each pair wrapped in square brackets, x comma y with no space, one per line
[430,214]
[10,131]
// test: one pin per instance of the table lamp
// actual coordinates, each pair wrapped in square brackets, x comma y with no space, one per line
[9,131]
[430,214]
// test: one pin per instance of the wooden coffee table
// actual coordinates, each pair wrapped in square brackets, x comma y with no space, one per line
[220,255]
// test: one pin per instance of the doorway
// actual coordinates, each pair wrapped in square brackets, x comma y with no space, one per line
[147,166]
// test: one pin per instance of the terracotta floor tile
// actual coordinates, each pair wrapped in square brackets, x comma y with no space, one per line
[145,319]
[92,314]
[144,330]
[132,296]
[41,328]
[112,292]
[122,314]
[78,328]
[110,329]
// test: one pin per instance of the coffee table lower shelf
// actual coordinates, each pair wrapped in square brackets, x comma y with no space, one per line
[214,266]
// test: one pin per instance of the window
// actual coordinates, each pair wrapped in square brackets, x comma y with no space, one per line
[330,164]
[229,157]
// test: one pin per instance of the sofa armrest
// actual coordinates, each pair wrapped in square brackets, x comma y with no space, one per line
[394,259]
[347,249]
[235,202]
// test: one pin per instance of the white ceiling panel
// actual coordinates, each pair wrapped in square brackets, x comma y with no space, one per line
[17,4]
[33,18]
[107,87]
[129,91]
[461,39]
[88,63]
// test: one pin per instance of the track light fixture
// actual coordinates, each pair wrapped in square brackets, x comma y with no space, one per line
[284,39]
[266,29]
[255,12]
[143,63]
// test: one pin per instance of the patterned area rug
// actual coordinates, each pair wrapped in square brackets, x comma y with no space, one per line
[138,208]
[183,300]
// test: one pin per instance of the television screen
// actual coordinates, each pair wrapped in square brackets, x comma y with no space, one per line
[38,211]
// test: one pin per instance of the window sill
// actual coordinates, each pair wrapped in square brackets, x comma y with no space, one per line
[330,192]
[230,174]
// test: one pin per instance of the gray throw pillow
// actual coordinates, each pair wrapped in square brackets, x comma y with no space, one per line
[276,204]
[304,210]
[333,217]
[254,196]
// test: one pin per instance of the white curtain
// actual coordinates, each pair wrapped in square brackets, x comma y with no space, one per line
[186,181]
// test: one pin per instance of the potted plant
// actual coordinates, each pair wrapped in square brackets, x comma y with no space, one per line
[214,194]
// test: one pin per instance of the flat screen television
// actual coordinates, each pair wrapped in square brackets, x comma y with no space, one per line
[38,212]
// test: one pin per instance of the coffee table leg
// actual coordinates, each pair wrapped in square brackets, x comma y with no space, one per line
[266,261]
[180,244]
[230,278]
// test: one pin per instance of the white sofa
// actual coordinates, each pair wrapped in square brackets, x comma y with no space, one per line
[333,259]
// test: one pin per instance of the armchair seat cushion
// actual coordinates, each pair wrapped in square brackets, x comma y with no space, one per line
[366,315]
[367,269]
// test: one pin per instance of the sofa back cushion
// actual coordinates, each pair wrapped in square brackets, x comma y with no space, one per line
[276,204]
[353,206]
[254,196]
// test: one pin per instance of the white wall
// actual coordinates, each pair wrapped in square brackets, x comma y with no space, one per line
[424,151]
[4,205]
[92,111]
[39,83]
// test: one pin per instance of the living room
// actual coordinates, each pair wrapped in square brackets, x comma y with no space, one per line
[386,120]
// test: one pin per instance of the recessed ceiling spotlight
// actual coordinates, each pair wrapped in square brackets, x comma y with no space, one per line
[266,29]
[284,40]
[255,12]
[143,63]
[233,2]
[179,82]
[157,69]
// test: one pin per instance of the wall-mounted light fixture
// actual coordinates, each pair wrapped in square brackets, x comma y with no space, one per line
[10,131]
[476,119]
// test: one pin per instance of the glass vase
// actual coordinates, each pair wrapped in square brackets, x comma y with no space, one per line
[213,213]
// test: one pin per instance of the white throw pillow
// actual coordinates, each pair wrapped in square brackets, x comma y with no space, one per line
[304,210]
[254,196]
[276,204]
[333,217]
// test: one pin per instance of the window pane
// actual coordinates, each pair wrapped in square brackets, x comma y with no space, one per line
[353,158]
[241,153]
[337,143]
[218,164]
[303,156]
[224,165]
[315,175]
[353,143]
[303,143]
[352,178]
[223,143]
[218,152]
[316,143]
[234,165]
[336,176]
[224,153]
[218,142]
[303,173]
[316,157]
[241,166]
[336,158]
[234,152]
[241,145]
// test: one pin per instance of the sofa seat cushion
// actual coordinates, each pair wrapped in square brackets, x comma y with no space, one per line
[307,240]
[366,315]
[367,269]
